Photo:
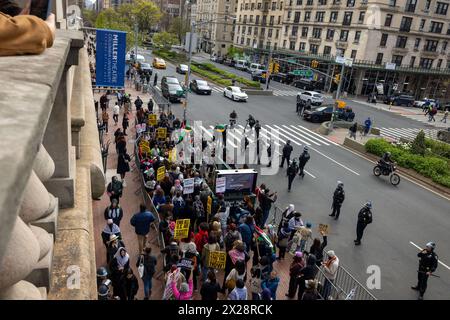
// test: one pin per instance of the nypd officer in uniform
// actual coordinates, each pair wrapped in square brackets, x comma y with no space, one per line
[427,265]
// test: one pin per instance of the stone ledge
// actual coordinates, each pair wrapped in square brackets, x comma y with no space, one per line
[256,92]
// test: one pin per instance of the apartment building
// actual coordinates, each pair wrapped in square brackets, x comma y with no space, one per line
[402,44]
[214,25]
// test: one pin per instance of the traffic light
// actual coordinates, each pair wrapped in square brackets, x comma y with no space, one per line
[276,68]
[314,64]
[337,78]
[271,67]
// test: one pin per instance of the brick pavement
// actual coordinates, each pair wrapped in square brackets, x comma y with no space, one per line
[130,201]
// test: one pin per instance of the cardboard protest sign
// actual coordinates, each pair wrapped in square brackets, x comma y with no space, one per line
[325,228]
[220,185]
[145,146]
[160,173]
[181,228]
[152,119]
[161,133]
[185,264]
[217,259]
[188,186]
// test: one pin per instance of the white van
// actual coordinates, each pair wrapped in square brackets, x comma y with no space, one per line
[241,65]
[255,67]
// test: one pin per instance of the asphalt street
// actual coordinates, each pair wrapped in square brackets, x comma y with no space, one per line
[404,216]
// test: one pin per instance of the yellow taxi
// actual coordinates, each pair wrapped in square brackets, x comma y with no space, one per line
[159,63]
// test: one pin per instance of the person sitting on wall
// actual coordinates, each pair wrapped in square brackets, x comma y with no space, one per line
[24,33]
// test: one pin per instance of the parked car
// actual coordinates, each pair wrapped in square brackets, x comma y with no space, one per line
[159,63]
[310,97]
[241,64]
[145,67]
[139,57]
[319,114]
[420,103]
[283,77]
[171,89]
[400,100]
[220,59]
[213,58]
[255,67]
[235,94]
[229,62]
[200,87]
[182,68]
[308,85]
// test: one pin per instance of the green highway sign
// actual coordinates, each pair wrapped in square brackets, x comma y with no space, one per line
[291,61]
[303,73]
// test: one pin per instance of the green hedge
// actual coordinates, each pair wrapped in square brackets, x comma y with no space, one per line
[228,75]
[439,148]
[434,167]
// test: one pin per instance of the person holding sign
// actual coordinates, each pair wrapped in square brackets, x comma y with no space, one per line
[186,288]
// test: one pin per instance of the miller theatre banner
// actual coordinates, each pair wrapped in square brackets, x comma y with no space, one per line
[110,58]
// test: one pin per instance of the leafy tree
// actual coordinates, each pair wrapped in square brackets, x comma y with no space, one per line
[165,39]
[89,17]
[145,13]
[235,52]
[179,27]
[418,145]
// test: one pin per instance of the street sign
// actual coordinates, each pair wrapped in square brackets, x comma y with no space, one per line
[291,61]
[390,66]
[303,73]
[347,61]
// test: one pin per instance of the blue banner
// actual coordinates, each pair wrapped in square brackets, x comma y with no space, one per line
[110,58]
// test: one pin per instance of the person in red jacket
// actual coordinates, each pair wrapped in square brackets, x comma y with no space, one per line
[201,238]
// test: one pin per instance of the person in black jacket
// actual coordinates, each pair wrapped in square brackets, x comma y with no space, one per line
[338,199]
[302,160]
[364,218]
[317,248]
[210,287]
[291,173]
[286,153]
[307,273]
[427,265]
[149,263]
[114,212]
[129,286]
[114,189]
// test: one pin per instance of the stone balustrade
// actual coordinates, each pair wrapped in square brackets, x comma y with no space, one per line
[51,169]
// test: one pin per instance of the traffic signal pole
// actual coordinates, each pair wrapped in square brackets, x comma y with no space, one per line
[338,92]
[269,61]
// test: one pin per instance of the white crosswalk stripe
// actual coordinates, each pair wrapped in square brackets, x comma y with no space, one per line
[284,93]
[407,133]
[277,134]
[217,89]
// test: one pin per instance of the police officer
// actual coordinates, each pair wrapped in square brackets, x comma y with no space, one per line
[257,128]
[364,218]
[291,172]
[286,153]
[427,265]
[269,153]
[302,160]
[338,199]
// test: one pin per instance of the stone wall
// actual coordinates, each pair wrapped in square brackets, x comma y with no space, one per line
[42,184]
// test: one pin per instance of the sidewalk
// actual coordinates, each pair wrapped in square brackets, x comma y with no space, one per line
[130,201]
[411,113]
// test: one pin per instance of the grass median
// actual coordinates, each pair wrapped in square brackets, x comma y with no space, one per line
[432,162]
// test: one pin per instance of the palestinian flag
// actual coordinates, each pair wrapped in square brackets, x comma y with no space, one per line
[262,236]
